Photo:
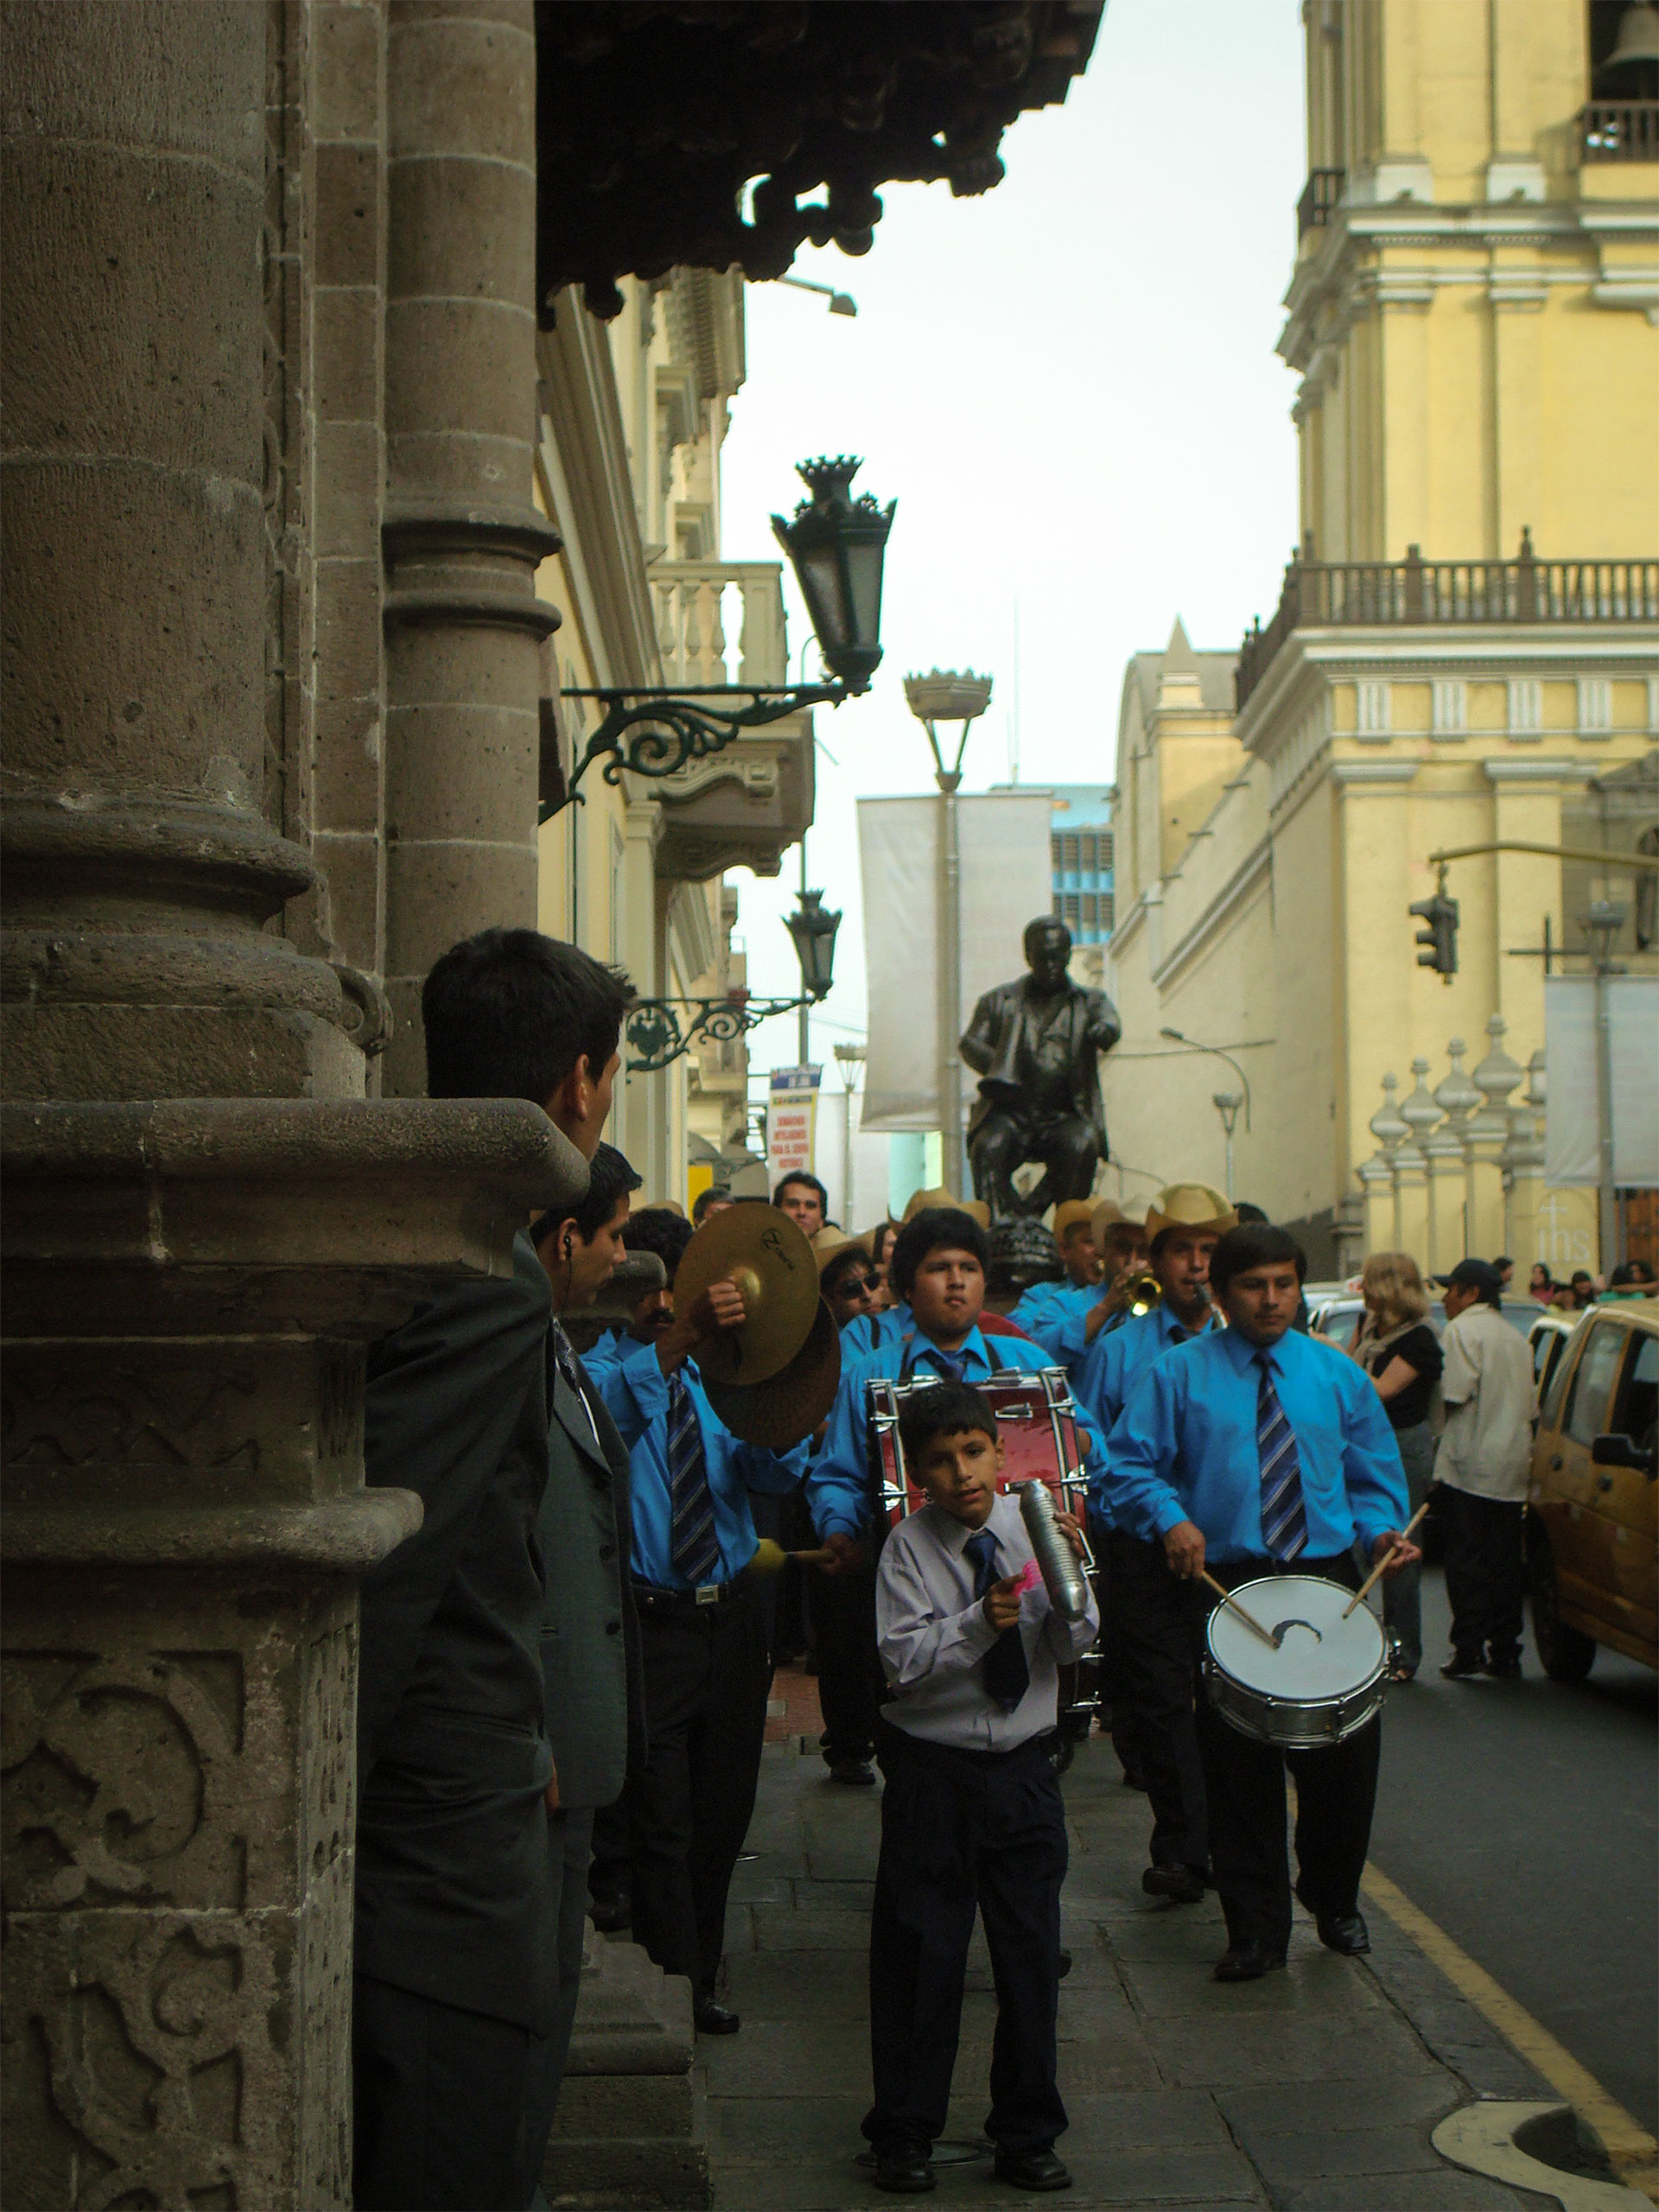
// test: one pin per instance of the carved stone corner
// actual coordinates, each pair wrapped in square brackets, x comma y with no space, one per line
[632,2128]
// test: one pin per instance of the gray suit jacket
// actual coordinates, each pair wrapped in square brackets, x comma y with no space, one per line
[589,1630]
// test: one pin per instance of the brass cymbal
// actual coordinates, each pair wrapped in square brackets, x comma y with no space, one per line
[778,1413]
[768,1257]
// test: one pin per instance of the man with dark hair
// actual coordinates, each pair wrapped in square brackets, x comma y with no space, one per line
[1482,1468]
[803,1198]
[939,1268]
[1251,1451]
[1148,1634]
[846,1277]
[714,1199]
[457,2034]
[590,1634]
[707,1664]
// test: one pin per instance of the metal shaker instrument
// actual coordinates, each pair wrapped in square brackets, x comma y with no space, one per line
[1058,1565]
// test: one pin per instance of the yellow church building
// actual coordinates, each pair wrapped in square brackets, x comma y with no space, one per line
[1465,653]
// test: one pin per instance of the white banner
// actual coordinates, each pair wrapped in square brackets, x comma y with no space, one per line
[791,1115]
[1007,881]
[1571,1148]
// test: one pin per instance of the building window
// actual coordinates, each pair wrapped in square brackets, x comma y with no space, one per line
[1451,706]
[1595,706]
[1375,713]
[1526,707]
[1081,864]
[1087,914]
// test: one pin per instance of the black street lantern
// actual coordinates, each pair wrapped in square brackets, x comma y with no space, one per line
[814,933]
[836,545]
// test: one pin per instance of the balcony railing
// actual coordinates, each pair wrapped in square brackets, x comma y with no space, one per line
[704,606]
[1341,594]
[1619,130]
[1320,195]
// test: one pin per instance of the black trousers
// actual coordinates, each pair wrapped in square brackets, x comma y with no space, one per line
[708,1669]
[451,2109]
[1153,1616]
[1336,1792]
[849,1667]
[961,1829]
[1485,1569]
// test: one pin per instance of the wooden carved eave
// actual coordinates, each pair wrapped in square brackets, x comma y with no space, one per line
[652,115]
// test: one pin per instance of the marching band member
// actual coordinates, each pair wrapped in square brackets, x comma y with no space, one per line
[1149,1658]
[938,1270]
[1251,1451]
[971,1816]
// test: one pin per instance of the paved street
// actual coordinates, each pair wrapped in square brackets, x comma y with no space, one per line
[1521,1819]
[1314,2091]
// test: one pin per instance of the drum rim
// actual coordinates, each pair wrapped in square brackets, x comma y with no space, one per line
[1278,1698]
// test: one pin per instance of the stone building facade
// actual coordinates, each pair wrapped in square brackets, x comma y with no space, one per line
[280,279]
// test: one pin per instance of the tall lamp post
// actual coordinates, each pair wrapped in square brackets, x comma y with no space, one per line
[1227,1103]
[1602,925]
[850,1059]
[935,698]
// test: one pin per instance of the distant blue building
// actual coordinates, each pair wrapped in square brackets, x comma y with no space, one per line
[1081,842]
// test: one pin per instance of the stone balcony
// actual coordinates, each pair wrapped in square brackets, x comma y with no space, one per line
[722,622]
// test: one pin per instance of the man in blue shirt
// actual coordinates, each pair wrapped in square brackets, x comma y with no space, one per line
[938,1270]
[1067,1318]
[1148,1638]
[1247,1451]
[707,1664]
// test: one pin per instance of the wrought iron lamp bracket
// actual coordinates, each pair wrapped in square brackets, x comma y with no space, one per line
[654,733]
[655,1031]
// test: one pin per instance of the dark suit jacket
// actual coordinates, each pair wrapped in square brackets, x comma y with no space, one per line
[589,1631]
[991,1043]
[457,1890]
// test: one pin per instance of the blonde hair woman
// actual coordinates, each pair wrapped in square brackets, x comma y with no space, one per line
[1399,1349]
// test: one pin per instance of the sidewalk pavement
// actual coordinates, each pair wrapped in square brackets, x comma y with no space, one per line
[1315,2090]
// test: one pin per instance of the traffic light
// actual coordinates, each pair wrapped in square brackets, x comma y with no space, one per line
[1441,937]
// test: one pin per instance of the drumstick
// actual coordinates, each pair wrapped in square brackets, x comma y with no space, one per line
[1228,1599]
[1365,1586]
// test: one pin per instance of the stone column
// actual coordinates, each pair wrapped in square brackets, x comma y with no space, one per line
[1420,1114]
[1457,1098]
[461,536]
[1486,1138]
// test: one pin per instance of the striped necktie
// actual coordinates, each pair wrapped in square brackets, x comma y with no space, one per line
[952,1365]
[692,1546]
[1284,1523]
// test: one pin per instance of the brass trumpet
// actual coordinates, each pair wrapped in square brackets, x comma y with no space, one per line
[1135,1294]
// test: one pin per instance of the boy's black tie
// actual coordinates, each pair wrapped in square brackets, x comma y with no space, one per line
[1005,1668]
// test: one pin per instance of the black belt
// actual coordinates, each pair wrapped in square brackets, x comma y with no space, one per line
[650,1598]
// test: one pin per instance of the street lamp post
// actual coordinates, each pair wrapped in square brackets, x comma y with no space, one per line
[850,1059]
[948,697]
[654,1028]
[1227,1103]
[1602,925]
[1178,1037]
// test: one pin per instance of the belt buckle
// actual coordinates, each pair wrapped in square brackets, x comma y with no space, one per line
[709,1593]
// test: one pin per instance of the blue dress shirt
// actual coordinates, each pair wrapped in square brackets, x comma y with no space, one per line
[1060,1321]
[1184,1447]
[635,1390]
[1115,1363]
[865,1331]
[838,1487]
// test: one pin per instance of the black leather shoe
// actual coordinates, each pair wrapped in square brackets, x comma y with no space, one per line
[1247,1961]
[1504,1667]
[1032,2171]
[1344,1932]
[858,1774]
[713,2019]
[1180,1883]
[905,2167]
[1463,1664]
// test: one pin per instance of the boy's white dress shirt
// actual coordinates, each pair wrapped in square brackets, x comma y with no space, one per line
[932,1633]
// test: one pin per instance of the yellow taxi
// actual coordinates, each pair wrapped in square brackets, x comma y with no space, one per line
[1593,1534]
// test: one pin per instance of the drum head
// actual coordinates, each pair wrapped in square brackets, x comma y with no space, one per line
[1320,1654]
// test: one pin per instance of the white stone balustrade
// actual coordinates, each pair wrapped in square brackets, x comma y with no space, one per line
[703,608]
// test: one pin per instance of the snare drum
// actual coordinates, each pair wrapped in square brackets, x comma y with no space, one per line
[1036,1420]
[1327,1677]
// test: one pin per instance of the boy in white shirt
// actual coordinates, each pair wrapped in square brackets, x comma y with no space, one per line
[971,1813]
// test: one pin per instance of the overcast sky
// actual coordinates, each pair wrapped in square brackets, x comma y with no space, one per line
[1070,387]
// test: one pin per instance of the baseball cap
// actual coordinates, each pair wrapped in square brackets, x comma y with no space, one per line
[1474,1274]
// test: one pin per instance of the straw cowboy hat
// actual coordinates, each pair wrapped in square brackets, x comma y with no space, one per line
[976,1209]
[1189,1205]
[1107,1216]
[830,1242]
[1069,1215]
